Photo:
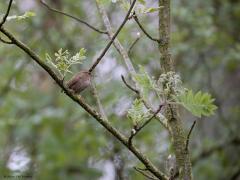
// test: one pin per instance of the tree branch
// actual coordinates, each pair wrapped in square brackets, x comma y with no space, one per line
[183,161]
[133,44]
[6,42]
[122,51]
[113,38]
[99,104]
[144,173]
[188,136]
[6,14]
[138,129]
[130,87]
[79,100]
[118,46]
[144,31]
[73,17]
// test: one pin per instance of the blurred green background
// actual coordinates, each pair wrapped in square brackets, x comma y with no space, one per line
[46,135]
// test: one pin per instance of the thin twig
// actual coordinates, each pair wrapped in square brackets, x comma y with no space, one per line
[188,136]
[6,14]
[144,173]
[6,42]
[132,45]
[73,17]
[138,129]
[113,38]
[99,104]
[130,87]
[144,31]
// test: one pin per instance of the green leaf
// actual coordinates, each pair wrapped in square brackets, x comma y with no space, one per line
[82,51]
[144,80]
[137,112]
[48,57]
[27,14]
[152,9]
[199,104]
[63,60]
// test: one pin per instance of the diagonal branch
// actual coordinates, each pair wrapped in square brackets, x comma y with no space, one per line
[99,104]
[144,31]
[188,136]
[130,87]
[143,172]
[118,46]
[138,129]
[113,38]
[4,41]
[73,17]
[6,14]
[133,44]
[80,101]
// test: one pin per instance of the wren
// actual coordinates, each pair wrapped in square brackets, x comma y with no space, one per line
[80,81]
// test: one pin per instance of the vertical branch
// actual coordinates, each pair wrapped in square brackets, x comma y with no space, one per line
[183,161]
[164,33]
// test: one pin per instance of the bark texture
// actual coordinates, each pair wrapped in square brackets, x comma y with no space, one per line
[184,167]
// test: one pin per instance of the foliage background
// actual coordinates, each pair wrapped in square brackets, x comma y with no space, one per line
[44,132]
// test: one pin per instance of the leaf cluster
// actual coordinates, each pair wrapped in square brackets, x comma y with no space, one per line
[137,112]
[26,15]
[170,83]
[199,104]
[63,60]
[140,6]
[147,83]
[169,88]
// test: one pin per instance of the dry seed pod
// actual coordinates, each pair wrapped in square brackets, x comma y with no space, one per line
[79,81]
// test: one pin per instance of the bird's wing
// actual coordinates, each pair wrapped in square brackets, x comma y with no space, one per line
[72,81]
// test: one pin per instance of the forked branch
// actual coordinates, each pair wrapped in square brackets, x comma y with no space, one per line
[136,130]
[113,38]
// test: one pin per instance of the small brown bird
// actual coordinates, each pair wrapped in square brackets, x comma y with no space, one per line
[79,81]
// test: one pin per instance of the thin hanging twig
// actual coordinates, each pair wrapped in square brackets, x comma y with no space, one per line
[73,17]
[188,136]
